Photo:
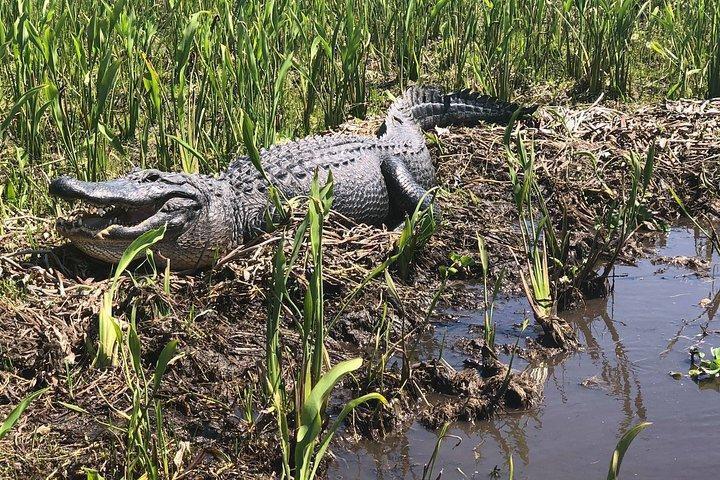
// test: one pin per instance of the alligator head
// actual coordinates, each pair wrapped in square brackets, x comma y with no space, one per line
[198,212]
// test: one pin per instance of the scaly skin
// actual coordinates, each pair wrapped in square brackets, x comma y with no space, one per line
[376,181]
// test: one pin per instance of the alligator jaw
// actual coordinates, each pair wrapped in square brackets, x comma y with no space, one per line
[120,210]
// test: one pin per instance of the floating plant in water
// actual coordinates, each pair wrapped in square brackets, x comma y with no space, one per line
[706,369]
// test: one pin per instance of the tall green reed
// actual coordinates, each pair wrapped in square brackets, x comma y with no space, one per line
[305,408]
[91,90]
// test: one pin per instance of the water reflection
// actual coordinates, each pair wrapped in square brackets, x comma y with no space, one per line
[710,311]
[618,375]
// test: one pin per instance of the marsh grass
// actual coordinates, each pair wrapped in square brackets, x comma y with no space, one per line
[89,90]
[554,278]
[304,409]
[108,327]
[546,241]
[535,274]
[147,447]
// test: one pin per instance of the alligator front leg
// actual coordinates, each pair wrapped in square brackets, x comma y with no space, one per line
[404,192]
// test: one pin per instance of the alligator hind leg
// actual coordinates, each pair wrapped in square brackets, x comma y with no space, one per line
[404,191]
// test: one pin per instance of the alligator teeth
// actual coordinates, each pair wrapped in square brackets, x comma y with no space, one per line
[101,234]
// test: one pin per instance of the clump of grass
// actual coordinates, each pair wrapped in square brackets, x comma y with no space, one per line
[554,278]
[540,287]
[306,407]
[489,297]
[416,231]
[108,328]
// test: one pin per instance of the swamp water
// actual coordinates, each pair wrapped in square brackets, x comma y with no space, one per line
[631,340]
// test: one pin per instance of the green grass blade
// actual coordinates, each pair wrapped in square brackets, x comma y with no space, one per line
[17,412]
[165,356]
[622,447]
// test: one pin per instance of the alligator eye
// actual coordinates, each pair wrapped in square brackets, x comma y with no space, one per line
[151,176]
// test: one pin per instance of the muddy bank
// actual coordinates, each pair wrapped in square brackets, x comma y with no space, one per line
[658,311]
[51,295]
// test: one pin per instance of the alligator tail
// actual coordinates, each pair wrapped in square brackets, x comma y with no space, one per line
[430,107]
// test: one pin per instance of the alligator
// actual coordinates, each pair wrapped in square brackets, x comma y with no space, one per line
[376,180]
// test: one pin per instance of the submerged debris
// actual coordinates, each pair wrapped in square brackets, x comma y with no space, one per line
[469,396]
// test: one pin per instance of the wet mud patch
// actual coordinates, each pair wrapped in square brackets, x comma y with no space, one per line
[218,421]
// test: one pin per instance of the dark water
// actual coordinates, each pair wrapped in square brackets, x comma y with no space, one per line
[632,340]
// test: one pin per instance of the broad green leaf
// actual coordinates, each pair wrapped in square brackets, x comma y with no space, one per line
[437,8]
[152,84]
[106,82]
[107,331]
[511,125]
[349,407]
[248,131]
[280,79]
[17,412]
[18,105]
[310,417]
[138,246]
[183,51]
[93,475]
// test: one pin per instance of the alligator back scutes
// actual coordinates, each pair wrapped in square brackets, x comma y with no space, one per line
[429,107]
